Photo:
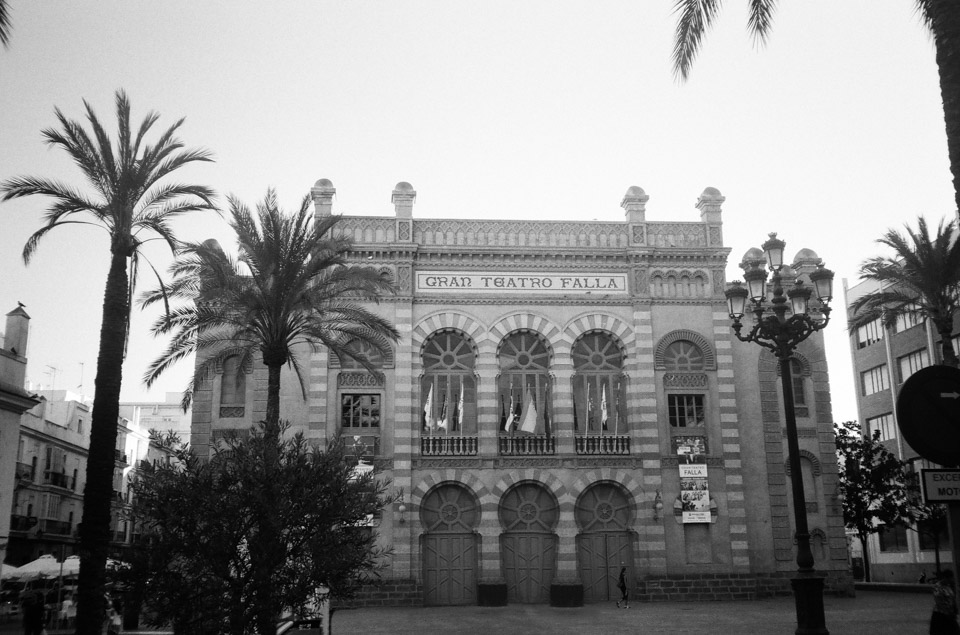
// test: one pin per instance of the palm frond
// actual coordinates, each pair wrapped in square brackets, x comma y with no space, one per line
[694,18]
[760,20]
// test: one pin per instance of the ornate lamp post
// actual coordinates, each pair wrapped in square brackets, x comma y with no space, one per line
[780,323]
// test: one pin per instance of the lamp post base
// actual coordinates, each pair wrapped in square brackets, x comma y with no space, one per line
[808,594]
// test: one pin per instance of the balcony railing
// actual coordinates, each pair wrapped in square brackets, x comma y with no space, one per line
[527,445]
[57,479]
[25,472]
[121,457]
[604,444]
[119,536]
[448,446]
[22,523]
[58,527]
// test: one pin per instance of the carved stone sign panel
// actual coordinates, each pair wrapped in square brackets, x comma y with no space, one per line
[498,282]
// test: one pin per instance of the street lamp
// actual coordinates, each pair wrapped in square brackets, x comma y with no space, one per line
[780,323]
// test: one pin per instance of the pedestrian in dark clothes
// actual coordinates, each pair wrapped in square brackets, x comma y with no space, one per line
[624,601]
[943,621]
[34,612]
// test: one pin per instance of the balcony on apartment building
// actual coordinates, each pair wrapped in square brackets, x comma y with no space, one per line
[120,456]
[58,479]
[25,472]
[55,527]
[23,523]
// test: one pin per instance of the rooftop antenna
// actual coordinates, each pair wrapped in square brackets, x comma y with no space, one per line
[52,371]
[80,387]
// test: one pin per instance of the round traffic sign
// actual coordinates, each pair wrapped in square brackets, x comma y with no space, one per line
[928,413]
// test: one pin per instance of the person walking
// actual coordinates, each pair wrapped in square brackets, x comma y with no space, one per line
[34,612]
[624,601]
[943,621]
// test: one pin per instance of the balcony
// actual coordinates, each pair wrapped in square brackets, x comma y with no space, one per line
[25,472]
[448,446]
[609,444]
[527,445]
[57,479]
[22,523]
[118,536]
[56,527]
[120,457]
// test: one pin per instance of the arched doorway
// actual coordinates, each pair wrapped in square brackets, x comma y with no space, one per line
[603,514]
[449,513]
[528,545]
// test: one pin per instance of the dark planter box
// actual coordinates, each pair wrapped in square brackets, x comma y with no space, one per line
[492,594]
[566,594]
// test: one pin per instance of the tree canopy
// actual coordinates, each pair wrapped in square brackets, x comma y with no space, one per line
[206,553]
[872,484]
[920,279]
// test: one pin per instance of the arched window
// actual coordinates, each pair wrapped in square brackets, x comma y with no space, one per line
[524,391]
[796,374]
[683,355]
[449,387]
[598,391]
[233,388]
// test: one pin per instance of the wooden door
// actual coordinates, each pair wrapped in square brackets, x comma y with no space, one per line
[528,561]
[449,569]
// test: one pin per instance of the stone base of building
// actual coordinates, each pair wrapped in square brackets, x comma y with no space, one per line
[730,586]
[659,588]
[385,593]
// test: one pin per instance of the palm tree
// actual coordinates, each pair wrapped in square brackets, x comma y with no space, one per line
[942,18]
[290,286]
[126,200]
[4,23]
[921,279]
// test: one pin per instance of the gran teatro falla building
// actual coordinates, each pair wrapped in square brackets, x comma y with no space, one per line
[566,398]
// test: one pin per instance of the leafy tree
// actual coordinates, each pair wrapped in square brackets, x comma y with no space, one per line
[291,286]
[942,18]
[206,552]
[931,518]
[128,202]
[921,279]
[872,485]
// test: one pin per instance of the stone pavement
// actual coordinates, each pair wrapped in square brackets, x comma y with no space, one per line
[870,613]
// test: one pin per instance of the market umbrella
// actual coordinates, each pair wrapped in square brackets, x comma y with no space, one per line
[71,566]
[43,567]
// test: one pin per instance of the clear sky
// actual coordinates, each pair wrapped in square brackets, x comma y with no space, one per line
[829,135]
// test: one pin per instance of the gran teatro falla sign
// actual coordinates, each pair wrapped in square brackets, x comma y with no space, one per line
[498,282]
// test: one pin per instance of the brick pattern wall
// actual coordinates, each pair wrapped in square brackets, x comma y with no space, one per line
[725,586]
[387,593]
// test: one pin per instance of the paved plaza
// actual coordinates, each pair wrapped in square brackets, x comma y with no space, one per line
[870,613]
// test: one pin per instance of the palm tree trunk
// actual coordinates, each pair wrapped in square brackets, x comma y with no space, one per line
[265,552]
[945,23]
[945,331]
[98,493]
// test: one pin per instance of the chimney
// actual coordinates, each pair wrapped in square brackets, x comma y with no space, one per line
[17,332]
